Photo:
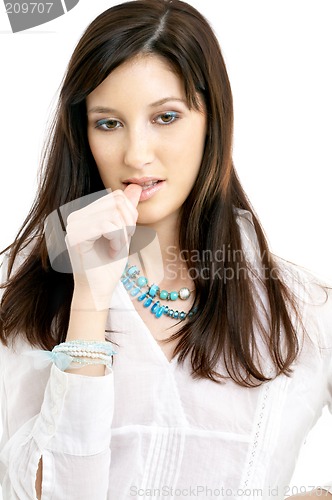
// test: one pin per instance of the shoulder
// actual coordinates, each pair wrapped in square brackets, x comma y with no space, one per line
[245,221]
[314,298]
[301,280]
[312,293]
[250,245]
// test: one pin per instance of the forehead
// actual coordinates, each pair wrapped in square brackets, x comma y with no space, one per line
[143,75]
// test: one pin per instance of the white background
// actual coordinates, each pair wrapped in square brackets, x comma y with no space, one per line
[278,54]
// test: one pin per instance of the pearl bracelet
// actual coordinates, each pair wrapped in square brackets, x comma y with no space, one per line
[82,352]
[86,346]
[86,354]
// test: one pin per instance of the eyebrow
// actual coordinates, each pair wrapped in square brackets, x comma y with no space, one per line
[103,109]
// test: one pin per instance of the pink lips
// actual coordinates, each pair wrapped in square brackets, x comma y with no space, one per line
[151,185]
[141,180]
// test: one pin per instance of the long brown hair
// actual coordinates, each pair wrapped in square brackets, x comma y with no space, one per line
[36,301]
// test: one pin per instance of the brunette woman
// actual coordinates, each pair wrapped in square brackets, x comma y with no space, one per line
[152,346]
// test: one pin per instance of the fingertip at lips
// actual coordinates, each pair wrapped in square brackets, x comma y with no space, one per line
[133,193]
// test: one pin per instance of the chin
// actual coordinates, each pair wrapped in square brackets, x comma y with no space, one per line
[147,219]
[152,215]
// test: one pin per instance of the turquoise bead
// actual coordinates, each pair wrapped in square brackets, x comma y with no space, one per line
[153,290]
[160,311]
[155,307]
[134,284]
[132,270]
[141,281]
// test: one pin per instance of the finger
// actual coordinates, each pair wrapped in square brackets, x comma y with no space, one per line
[108,204]
[128,213]
[133,193]
[117,238]
[92,228]
[118,244]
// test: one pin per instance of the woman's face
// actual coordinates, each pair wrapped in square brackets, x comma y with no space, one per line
[141,130]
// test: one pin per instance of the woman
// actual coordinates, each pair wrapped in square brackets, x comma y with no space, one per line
[215,379]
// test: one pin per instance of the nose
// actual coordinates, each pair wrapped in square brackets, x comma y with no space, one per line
[138,151]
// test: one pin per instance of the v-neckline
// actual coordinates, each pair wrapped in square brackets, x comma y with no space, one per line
[156,347]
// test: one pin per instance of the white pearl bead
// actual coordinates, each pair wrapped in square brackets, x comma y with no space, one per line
[184,293]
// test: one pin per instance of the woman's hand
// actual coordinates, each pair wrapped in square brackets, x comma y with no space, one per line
[98,238]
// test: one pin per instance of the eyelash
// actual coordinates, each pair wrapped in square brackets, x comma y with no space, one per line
[172,114]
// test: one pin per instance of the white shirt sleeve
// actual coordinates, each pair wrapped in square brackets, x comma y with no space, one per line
[62,417]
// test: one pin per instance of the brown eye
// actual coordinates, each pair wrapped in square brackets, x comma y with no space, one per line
[167,118]
[108,124]
[111,124]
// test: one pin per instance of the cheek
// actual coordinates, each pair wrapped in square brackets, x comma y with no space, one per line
[191,154]
[97,148]
[193,140]
[194,158]
[106,160]
[102,159]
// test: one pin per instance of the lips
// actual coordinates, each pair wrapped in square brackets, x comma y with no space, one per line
[150,186]
[145,182]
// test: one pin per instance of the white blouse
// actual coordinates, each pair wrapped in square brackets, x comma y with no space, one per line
[147,429]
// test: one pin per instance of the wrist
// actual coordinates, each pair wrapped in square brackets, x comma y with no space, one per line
[87,324]
[85,299]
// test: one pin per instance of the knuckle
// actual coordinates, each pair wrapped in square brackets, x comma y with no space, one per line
[106,227]
[118,195]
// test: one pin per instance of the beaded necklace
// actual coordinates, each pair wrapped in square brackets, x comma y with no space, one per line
[136,287]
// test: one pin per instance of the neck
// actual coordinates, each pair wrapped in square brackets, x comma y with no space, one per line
[155,250]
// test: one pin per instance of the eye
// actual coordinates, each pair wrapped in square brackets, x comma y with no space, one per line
[166,118]
[108,125]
